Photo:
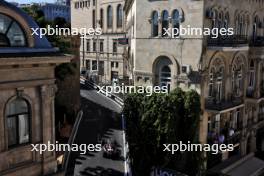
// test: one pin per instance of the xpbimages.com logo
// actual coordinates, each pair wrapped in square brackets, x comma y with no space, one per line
[82,148]
[190,31]
[65,31]
[123,89]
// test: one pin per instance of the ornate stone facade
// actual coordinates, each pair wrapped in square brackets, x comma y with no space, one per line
[27,89]
[101,55]
[228,71]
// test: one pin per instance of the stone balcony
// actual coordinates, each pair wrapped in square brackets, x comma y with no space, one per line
[228,41]
[257,42]
[212,105]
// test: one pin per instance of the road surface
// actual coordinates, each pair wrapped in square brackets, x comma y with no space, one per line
[101,120]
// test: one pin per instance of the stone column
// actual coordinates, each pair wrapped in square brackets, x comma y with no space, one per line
[48,127]
[258,79]
[253,144]
[243,145]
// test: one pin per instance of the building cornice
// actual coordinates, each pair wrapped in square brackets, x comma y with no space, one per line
[35,60]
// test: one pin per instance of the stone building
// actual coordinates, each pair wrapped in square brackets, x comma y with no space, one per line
[53,10]
[101,55]
[27,89]
[227,71]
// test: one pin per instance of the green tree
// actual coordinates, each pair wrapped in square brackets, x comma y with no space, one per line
[160,119]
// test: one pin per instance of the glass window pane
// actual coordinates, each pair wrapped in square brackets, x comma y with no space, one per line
[23,127]
[109,16]
[4,23]
[16,35]
[17,106]
[12,131]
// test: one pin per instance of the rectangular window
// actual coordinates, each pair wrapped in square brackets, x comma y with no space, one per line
[88,45]
[93,18]
[89,3]
[94,46]
[77,5]
[101,46]
[112,64]
[116,64]
[94,65]
[87,64]
[93,2]
[114,46]
[101,68]
[217,123]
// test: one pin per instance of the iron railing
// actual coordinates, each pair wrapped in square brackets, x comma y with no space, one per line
[213,104]
[228,41]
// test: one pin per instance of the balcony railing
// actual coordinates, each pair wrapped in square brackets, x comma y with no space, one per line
[229,138]
[228,41]
[258,41]
[212,104]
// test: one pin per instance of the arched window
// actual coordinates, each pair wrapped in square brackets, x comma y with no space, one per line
[93,18]
[241,25]
[216,77]
[226,21]
[255,27]
[220,20]
[155,24]
[109,17]
[237,24]
[11,34]
[219,84]
[251,74]
[211,82]
[246,24]
[165,22]
[18,122]
[214,19]
[165,76]
[176,20]
[237,75]
[119,15]
[102,18]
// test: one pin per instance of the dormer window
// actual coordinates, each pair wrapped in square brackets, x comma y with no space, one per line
[11,34]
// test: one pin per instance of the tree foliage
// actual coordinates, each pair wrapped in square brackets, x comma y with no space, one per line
[161,119]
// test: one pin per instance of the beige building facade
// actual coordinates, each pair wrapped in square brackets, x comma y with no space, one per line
[27,90]
[101,55]
[227,71]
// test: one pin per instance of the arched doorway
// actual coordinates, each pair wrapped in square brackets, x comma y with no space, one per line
[163,71]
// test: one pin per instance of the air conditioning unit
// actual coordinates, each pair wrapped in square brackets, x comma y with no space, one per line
[186,69]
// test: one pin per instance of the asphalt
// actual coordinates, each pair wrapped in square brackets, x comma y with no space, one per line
[101,120]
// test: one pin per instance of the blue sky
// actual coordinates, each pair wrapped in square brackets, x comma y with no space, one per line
[29,1]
